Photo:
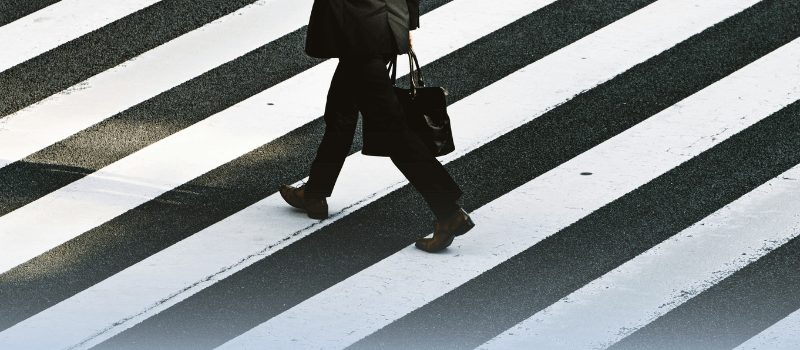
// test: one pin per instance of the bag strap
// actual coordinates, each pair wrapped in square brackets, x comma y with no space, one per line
[413,56]
[415,75]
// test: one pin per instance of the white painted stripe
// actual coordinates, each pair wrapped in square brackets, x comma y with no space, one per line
[784,335]
[66,20]
[380,294]
[136,293]
[238,241]
[246,237]
[147,75]
[109,192]
[659,280]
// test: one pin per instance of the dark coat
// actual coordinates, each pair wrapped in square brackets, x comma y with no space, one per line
[340,28]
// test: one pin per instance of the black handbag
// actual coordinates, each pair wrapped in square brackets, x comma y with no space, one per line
[425,109]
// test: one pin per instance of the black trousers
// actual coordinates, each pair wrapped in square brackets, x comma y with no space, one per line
[362,84]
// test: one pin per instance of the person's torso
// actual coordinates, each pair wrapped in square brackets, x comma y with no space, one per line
[357,27]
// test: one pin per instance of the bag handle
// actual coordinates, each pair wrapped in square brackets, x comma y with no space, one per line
[416,80]
[412,61]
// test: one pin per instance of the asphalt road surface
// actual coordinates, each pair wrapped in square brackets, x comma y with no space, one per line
[633,169]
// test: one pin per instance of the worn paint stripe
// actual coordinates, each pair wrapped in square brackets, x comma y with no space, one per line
[379,295]
[655,282]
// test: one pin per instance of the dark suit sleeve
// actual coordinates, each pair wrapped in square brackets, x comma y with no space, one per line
[413,14]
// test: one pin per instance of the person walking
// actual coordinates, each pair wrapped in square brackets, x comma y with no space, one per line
[365,35]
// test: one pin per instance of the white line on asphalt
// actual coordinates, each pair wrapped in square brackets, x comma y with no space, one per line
[246,237]
[64,21]
[147,75]
[72,210]
[784,335]
[659,280]
[380,294]
[293,107]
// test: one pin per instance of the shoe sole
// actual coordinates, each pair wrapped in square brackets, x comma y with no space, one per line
[441,247]
[318,216]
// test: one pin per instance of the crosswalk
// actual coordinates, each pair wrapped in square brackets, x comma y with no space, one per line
[150,74]
[633,169]
[61,22]
[650,285]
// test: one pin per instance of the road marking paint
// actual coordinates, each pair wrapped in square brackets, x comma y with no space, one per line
[380,294]
[151,73]
[784,335]
[72,210]
[257,231]
[636,293]
[59,23]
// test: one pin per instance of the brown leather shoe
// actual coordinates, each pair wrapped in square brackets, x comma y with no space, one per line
[316,208]
[444,232]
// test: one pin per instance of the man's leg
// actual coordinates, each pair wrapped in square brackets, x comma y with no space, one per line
[428,177]
[341,118]
[374,95]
